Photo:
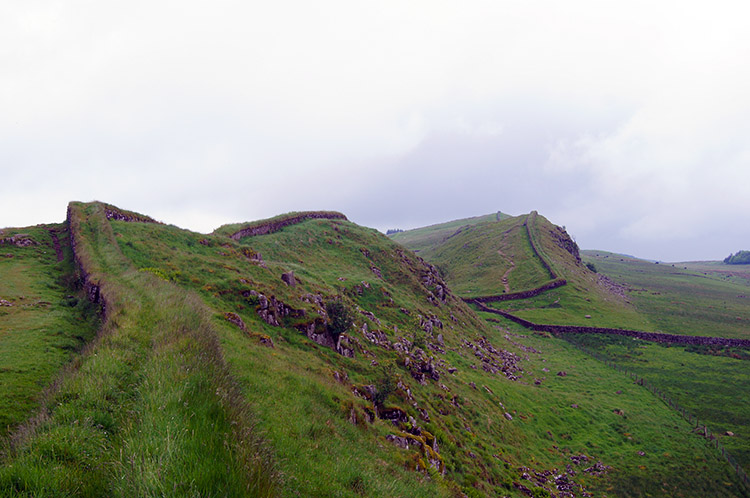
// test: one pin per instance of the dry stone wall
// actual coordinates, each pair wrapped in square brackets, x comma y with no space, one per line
[646,336]
[276,225]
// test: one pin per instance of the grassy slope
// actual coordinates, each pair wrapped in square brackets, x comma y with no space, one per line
[304,412]
[426,237]
[698,299]
[711,298]
[675,462]
[44,328]
[583,295]
[684,298]
[149,409]
[713,388]
[475,260]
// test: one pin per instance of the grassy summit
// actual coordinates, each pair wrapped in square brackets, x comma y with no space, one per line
[522,253]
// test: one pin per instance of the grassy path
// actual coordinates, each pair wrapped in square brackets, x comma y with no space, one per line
[504,279]
[150,408]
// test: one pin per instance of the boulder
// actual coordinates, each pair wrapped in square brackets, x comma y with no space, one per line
[235,319]
[289,279]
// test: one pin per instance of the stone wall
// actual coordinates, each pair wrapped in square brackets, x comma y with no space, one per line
[276,225]
[646,336]
[554,284]
[92,288]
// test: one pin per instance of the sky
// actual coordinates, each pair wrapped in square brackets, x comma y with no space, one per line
[626,122]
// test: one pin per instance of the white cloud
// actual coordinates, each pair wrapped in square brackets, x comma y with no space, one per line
[598,114]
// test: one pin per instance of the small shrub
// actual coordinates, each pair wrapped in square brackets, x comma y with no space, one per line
[418,340]
[340,317]
[592,267]
[385,385]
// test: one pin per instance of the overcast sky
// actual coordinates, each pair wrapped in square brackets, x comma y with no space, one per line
[627,122]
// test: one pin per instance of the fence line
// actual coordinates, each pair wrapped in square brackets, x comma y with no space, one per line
[713,440]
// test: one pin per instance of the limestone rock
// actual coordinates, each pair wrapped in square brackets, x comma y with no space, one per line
[289,279]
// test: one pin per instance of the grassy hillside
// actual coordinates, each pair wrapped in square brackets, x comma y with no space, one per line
[684,298]
[305,412]
[149,408]
[495,258]
[695,298]
[216,373]
[44,319]
[479,260]
[426,237]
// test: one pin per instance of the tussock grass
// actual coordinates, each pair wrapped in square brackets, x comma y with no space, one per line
[304,411]
[150,408]
[46,326]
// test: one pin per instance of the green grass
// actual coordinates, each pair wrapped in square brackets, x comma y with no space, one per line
[712,387]
[475,260]
[232,228]
[174,400]
[150,408]
[426,237]
[711,299]
[698,298]
[47,324]
[303,411]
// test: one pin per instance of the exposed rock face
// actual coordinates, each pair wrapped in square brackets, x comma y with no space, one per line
[273,310]
[289,279]
[428,324]
[563,240]
[559,482]
[437,290]
[275,226]
[20,240]
[376,337]
[318,332]
[266,341]
[496,361]
[421,366]
[370,315]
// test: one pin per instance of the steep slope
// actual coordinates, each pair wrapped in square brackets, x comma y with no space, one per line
[528,258]
[466,408]
[426,237]
[210,341]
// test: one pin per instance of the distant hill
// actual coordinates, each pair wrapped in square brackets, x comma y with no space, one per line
[517,255]
[422,238]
